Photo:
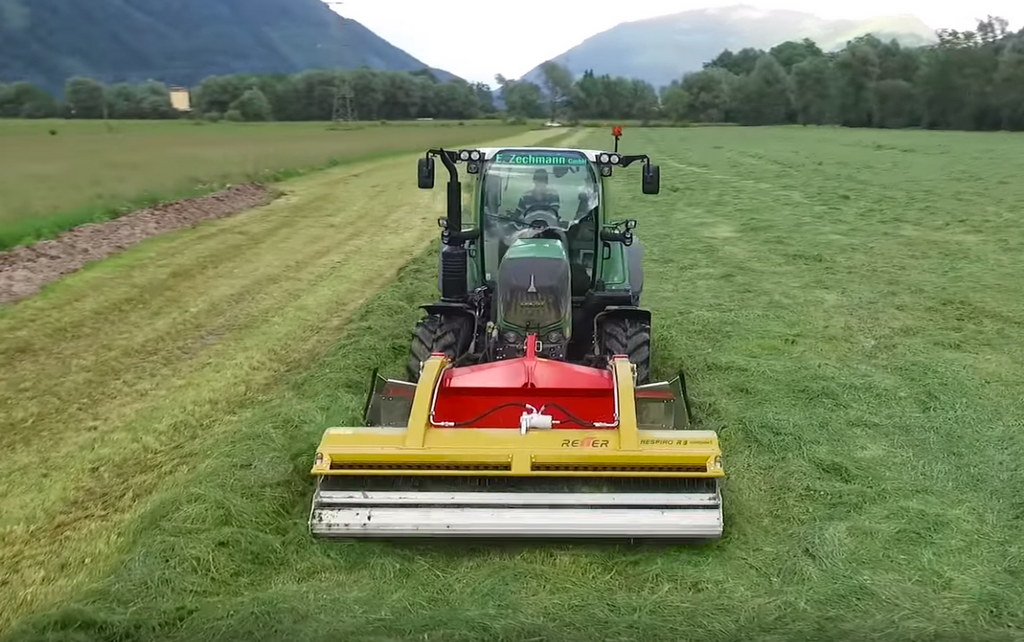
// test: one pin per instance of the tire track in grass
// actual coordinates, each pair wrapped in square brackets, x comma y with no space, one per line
[118,377]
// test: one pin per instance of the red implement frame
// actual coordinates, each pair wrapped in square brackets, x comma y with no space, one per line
[495,395]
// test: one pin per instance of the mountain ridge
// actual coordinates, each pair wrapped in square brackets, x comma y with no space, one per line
[636,49]
[48,41]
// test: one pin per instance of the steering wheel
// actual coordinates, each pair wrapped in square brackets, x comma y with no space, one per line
[540,217]
[544,222]
[536,207]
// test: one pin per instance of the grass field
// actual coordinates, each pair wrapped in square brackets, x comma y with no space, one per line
[134,364]
[91,170]
[847,305]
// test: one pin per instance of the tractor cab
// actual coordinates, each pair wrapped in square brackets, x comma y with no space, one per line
[535,252]
[524,197]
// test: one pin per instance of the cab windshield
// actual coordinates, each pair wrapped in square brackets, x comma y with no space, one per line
[535,192]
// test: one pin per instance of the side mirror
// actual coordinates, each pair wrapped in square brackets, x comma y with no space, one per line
[425,173]
[652,179]
[626,238]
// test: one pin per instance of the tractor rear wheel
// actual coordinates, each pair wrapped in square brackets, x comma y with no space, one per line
[435,333]
[622,335]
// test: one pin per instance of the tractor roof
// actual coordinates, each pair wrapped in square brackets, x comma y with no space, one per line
[591,154]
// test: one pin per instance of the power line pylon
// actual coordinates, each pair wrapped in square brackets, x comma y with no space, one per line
[343,91]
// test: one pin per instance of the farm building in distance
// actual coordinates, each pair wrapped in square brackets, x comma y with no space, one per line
[181,99]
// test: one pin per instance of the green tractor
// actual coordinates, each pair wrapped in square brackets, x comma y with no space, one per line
[539,256]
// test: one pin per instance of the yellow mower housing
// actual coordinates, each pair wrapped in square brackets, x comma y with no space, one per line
[408,474]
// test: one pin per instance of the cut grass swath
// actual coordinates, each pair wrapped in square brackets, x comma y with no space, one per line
[122,374]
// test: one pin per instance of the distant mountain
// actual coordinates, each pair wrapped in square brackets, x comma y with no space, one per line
[660,50]
[183,41]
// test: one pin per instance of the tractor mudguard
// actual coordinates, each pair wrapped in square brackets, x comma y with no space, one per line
[622,312]
[446,308]
[635,261]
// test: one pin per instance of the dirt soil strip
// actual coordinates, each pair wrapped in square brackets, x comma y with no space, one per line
[25,270]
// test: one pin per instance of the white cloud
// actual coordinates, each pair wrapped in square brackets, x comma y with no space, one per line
[511,37]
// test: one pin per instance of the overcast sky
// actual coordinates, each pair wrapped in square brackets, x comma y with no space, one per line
[513,36]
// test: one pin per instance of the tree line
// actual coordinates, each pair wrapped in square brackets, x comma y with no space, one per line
[319,95]
[87,98]
[971,80]
[360,94]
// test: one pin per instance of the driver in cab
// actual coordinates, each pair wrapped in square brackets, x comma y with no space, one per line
[542,194]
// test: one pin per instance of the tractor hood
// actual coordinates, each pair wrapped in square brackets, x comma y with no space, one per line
[534,289]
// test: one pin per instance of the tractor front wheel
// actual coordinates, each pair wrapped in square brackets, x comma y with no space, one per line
[449,335]
[631,338]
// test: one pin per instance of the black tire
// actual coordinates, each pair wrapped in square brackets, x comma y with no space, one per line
[435,333]
[623,335]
